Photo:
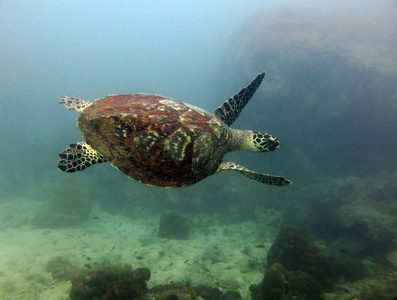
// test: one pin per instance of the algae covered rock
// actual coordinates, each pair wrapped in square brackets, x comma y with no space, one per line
[113,282]
[303,286]
[295,250]
[280,284]
[110,282]
[275,281]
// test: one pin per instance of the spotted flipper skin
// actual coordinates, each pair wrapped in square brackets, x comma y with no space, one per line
[231,109]
[73,103]
[78,157]
[264,178]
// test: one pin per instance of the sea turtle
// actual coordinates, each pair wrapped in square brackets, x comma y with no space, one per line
[164,142]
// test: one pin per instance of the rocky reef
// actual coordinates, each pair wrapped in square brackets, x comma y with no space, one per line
[295,250]
[319,77]
[297,268]
[124,283]
[110,282]
[287,285]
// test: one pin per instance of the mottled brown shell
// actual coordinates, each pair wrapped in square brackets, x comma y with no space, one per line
[155,140]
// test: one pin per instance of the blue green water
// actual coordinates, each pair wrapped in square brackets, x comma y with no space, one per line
[329,96]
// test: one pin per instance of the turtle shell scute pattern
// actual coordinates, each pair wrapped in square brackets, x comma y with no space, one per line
[155,140]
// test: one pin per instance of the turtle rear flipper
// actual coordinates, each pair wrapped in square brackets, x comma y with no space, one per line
[73,103]
[78,157]
[230,109]
[264,178]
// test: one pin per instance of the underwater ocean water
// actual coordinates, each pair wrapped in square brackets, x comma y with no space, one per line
[329,96]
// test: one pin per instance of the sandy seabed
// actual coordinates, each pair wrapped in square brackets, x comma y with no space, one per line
[228,257]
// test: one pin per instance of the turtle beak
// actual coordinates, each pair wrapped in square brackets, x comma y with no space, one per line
[273,143]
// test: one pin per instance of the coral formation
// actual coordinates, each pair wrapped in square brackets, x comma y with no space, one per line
[303,286]
[174,225]
[294,249]
[110,282]
[280,284]
[274,283]
[119,283]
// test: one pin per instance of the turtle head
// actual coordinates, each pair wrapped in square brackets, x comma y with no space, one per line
[253,141]
[263,142]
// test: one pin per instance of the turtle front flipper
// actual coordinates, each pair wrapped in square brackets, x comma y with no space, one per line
[230,109]
[78,157]
[73,103]
[264,178]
